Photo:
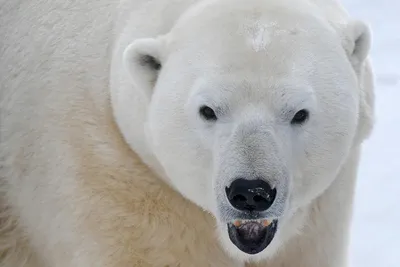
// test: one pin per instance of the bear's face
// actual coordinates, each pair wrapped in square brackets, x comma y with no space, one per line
[251,113]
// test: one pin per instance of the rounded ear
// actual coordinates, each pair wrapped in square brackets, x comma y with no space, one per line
[143,61]
[357,43]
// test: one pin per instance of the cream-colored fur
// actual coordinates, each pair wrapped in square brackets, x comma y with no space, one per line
[77,192]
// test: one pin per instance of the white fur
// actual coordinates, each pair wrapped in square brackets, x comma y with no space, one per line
[81,110]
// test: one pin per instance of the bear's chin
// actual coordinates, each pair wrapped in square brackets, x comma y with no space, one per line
[252,236]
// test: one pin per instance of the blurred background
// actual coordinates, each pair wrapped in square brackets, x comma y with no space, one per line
[375,240]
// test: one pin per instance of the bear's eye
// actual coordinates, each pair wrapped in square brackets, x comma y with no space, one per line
[300,117]
[208,113]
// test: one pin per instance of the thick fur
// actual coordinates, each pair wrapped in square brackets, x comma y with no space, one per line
[84,179]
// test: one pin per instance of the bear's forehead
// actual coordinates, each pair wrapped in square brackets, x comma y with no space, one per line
[254,33]
[257,42]
[256,47]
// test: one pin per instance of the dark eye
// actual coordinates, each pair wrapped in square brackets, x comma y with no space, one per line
[208,113]
[300,117]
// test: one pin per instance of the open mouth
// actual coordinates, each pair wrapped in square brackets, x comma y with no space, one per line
[252,236]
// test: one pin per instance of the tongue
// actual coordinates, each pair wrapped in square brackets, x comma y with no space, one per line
[251,231]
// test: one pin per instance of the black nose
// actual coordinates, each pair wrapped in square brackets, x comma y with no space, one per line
[250,195]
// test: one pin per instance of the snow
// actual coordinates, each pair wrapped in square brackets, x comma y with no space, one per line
[375,240]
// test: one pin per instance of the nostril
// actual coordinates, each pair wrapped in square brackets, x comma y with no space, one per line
[239,198]
[250,195]
[259,198]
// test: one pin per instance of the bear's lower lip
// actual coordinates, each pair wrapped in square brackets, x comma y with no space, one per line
[252,236]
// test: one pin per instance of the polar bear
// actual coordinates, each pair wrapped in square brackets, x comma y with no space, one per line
[180,133]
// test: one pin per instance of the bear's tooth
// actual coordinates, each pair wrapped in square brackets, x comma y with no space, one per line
[237,223]
[266,222]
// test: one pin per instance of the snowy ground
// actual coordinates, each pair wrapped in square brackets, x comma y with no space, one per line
[376,224]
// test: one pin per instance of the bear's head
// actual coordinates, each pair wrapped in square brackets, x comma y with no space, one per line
[253,108]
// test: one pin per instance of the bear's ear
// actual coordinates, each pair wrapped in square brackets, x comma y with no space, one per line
[143,61]
[357,42]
